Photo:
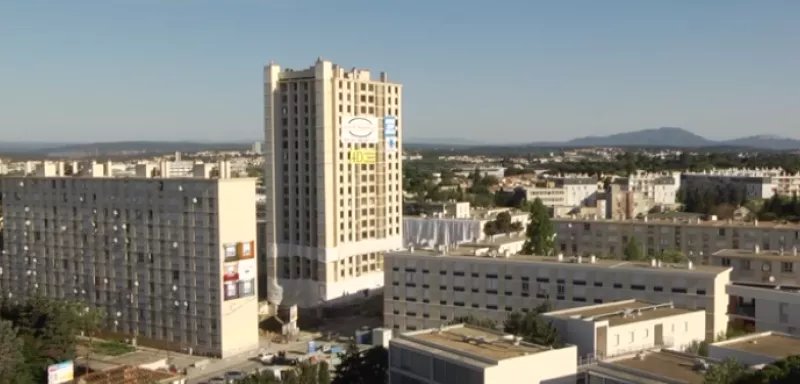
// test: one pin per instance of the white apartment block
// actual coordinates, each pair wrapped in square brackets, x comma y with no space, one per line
[424,288]
[462,354]
[333,180]
[661,187]
[445,229]
[578,191]
[620,328]
[697,239]
[766,307]
[650,367]
[756,350]
[169,261]
[785,183]
[752,187]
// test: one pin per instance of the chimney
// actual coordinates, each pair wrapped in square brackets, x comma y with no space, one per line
[756,249]
[593,259]
[689,265]
[560,257]
[653,263]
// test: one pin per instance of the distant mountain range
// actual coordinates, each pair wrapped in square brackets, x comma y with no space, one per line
[665,137]
[657,137]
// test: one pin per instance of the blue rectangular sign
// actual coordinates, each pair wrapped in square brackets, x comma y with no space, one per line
[389,126]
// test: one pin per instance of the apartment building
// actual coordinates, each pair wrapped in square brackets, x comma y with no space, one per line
[765,307]
[756,350]
[695,238]
[170,261]
[660,187]
[577,190]
[620,328]
[445,229]
[750,187]
[651,367]
[333,180]
[425,288]
[765,293]
[464,354]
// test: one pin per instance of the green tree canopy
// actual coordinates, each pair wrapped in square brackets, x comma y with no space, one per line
[540,232]
[362,367]
[632,251]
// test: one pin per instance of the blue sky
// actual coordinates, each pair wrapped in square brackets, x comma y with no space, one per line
[491,71]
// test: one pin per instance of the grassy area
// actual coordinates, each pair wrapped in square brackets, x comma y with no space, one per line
[111,348]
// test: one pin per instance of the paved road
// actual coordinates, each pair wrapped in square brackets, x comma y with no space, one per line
[246,364]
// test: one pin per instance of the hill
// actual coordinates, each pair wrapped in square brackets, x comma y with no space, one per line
[675,138]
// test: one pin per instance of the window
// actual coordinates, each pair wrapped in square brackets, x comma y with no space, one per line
[787,267]
[726,262]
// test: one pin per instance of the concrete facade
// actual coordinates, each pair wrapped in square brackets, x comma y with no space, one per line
[170,261]
[329,216]
[624,327]
[425,289]
[462,354]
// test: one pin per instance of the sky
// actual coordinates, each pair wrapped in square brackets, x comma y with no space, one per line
[486,71]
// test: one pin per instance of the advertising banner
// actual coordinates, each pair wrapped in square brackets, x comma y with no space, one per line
[358,129]
[231,272]
[246,250]
[391,144]
[247,269]
[61,373]
[389,126]
[362,156]
[247,288]
[231,290]
[230,252]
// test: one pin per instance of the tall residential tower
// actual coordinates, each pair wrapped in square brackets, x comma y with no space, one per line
[333,179]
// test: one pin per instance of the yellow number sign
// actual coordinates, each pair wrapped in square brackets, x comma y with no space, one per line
[363,156]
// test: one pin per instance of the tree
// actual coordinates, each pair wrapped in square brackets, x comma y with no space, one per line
[532,327]
[728,372]
[699,348]
[672,256]
[307,373]
[632,251]
[786,371]
[362,367]
[475,321]
[323,373]
[10,352]
[540,231]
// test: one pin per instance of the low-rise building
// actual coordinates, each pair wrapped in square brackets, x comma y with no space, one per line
[623,327]
[695,238]
[765,307]
[426,288]
[443,229]
[756,349]
[757,266]
[462,354]
[652,367]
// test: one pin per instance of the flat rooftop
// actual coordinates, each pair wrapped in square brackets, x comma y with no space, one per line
[774,345]
[667,364]
[474,341]
[615,313]
[751,254]
[569,261]
[683,222]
